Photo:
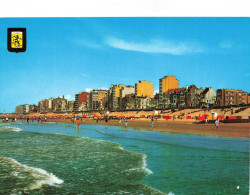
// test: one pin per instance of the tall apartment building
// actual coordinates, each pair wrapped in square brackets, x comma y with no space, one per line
[49,106]
[80,98]
[144,89]
[24,109]
[42,106]
[226,97]
[166,83]
[114,94]
[124,91]
[95,99]
[19,109]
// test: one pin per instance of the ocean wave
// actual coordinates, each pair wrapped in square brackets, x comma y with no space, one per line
[143,167]
[6,128]
[30,178]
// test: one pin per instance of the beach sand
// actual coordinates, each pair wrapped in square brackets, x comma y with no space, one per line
[177,126]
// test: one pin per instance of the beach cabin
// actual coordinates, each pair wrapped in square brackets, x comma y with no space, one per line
[214,115]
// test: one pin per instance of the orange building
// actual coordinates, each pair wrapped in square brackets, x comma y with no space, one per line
[144,89]
[168,82]
[114,94]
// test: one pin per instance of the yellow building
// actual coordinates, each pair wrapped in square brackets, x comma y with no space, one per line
[114,92]
[168,82]
[144,89]
[117,90]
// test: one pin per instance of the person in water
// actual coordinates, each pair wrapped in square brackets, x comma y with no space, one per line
[106,120]
[126,125]
[78,122]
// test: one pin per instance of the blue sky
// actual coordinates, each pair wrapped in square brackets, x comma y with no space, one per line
[68,55]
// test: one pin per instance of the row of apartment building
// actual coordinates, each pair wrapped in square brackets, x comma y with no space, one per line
[141,96]
[26,108]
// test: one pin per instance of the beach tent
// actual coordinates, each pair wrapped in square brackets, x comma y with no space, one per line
[214,114]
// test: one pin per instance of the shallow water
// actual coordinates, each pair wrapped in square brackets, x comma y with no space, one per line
[53,158]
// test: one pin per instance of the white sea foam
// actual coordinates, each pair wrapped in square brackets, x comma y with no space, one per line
[144,166]
[41,176]
[16,129]
[11,128]
[170,193]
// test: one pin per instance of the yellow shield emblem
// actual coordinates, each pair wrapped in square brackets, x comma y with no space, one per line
[16,39]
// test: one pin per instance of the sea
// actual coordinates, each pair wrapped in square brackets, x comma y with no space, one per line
[54,158]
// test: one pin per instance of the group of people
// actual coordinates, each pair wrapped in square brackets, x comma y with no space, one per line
[6,120]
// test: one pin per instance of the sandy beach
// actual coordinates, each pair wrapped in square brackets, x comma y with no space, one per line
[177,126]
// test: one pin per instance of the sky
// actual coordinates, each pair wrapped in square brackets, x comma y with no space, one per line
[66,56]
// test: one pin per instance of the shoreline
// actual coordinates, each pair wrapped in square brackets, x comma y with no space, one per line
[236,130]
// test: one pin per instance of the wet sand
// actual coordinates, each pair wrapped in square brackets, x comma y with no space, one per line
[177,126]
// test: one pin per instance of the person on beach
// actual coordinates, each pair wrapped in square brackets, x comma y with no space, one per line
[206,122]
[120,121]
[97,120]
[28,120]
[152,121]
[217,124]
[78,125]
[126,125]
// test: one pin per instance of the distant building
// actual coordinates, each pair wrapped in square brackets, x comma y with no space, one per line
[42,106]
[70,106]
[124,91]
[25,109]
[208,96]
[95,99]
[165,84]
[114,94]
[142,102]
[227,97]
[177,97]
[49,104]
[60,104]
[188,96]
[144,89]
[193,96]
[83,106]
[79,99]
[128,102]
[19,109]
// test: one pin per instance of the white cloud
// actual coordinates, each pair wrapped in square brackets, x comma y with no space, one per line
[156,91]
[69,97]
[155,46]
[87,89]
[104,88]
